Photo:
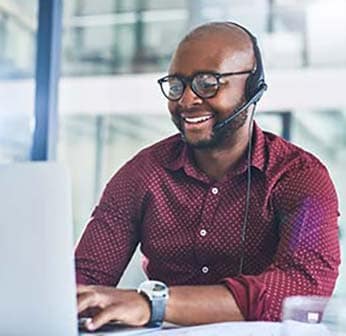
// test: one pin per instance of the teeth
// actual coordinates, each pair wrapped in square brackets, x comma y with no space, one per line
[197,120]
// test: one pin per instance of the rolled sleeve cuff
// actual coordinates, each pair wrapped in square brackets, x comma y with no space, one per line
[249,295]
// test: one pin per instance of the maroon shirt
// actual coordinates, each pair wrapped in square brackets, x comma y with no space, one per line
[189,225]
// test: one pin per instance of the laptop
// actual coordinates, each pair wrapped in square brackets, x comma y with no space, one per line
[37,282]
[37,277]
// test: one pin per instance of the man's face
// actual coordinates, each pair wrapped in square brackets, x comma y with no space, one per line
[195,117]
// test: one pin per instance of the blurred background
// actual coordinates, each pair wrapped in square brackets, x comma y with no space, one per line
[110,106]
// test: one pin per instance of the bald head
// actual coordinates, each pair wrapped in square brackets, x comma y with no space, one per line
[232,32]
[219,40]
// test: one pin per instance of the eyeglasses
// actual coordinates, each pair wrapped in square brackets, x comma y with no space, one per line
[203,84]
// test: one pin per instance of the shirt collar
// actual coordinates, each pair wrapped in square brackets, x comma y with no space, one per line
[178,161]
[258,157]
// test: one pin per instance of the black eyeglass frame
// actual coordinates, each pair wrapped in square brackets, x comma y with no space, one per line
[189,79]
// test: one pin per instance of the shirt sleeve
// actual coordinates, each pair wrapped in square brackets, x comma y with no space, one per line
[308,255]
[111,236]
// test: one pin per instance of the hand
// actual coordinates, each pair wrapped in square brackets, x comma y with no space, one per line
[125,306]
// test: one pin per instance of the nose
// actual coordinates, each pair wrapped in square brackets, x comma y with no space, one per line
[189,98]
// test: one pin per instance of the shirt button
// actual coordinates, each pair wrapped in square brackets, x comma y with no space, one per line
[203,233]
[214,190]
[205,269]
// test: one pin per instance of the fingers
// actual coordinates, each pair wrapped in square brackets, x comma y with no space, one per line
[107,315]
[95,297]
[89,312]
[126,306]
[92,298]
[87,300]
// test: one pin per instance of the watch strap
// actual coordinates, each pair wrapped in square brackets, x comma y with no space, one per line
[158,307]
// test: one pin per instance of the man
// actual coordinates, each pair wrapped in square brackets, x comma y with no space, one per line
[231,226]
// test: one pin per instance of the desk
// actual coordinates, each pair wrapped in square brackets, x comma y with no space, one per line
[216,329]
[227,328]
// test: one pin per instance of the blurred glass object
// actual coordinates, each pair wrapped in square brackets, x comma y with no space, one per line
[314,316]
[302,316]
[334,316]
[18,27]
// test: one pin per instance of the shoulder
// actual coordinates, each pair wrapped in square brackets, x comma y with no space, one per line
[160,154]
[284,157]
[153,158]
[147,165]
[295,173]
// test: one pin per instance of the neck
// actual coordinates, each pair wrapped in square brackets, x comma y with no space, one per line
[217,162]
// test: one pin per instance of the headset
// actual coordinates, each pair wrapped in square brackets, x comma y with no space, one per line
[255,83]
[254,88]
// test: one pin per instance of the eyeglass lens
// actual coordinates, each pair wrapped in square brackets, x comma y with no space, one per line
[204,85]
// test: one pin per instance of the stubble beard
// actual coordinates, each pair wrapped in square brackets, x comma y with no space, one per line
[220,138]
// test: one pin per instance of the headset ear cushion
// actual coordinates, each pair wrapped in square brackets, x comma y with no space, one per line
[255,82]
[250,86]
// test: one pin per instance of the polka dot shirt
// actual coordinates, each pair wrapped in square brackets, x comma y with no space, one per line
[189,225]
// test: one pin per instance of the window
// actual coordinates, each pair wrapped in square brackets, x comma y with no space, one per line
[18,25]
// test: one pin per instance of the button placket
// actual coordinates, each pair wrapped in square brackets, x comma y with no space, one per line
[204,229]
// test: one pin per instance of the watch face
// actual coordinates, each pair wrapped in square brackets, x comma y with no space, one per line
[158,287]
[154,289]
[157,293]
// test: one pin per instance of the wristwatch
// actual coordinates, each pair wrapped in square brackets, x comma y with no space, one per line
[156,292]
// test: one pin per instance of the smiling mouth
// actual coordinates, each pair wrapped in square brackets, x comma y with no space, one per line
[197,120]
